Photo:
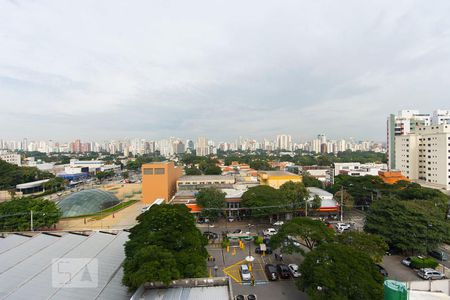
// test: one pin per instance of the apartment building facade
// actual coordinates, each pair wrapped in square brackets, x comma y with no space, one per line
[424,155]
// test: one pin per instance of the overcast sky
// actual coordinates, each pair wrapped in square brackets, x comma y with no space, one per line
[152,69]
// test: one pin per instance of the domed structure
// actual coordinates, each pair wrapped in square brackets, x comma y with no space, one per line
[86,202]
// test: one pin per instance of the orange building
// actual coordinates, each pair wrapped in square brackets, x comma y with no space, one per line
[159,181]
[391,177]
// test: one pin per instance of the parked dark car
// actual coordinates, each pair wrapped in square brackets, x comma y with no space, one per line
[240,297]
[439,255]
[251,297]
[210,235]
[258,250]
[382,270]
[284,272]
[271,272]
[202,220]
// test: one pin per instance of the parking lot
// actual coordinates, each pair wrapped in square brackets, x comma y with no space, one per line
[398,271]
[223,263]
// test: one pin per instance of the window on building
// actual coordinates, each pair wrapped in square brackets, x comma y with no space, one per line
[148,171]
[159,171]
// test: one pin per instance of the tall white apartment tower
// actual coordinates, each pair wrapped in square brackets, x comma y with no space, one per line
[202,147]
[440,116]
[284,142]
[424,155]
[400,124]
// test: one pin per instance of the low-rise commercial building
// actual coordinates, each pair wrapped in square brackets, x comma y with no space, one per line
[11,158]
[328,203]
[31,187]
[392,177]
[233,199]
[276,179]
[194,182]
[358,169]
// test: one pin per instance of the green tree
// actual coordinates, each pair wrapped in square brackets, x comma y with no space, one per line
[54,185]
[263,201]
[192,171]
[371,244]
[15,214]
[150,263]
[212,169]
[407,225]
[212,200]
[316,202]
[347,198]
[125,175]
[310,181]
[171,230]
[12,175]
[339,272]
[294,194]
[260,165]
[308,232]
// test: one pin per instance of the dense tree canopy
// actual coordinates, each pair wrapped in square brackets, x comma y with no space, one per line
[364,189]
[143,159]
[308,232]
[294,194]
[11,175]
[340,272]
[212,200]
[310,181]
[15,215]
[408,225]
[192,171]
[263,201]
[371,244]
[258,159]
[170,231]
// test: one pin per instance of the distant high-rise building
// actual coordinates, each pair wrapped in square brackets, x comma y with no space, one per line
[202,147]
[284,142]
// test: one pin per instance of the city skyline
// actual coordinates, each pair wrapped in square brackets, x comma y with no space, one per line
[177,70]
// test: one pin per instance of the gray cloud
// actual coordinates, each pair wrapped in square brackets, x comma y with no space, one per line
[151,69]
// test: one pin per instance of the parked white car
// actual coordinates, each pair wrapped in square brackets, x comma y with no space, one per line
[430,274]
[293,268]
[245,273]
[278,223]
[144,209]
[342,226]
[293,241]
[270,231]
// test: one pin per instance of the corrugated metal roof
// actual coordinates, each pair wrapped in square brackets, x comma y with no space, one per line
[11,241]
[180,293]
[17,254]
[31,276]
[115,290]
[22,272]
[110,259]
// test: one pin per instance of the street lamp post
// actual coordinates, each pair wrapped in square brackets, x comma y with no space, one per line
[342,203]
[426,238]
[250,242]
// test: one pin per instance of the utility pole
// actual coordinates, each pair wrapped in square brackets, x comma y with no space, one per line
[342,203]
[31,220]
[306,207]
